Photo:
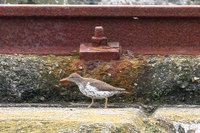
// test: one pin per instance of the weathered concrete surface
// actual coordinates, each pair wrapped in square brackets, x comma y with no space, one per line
[171,79]
[66,120]
[176,120]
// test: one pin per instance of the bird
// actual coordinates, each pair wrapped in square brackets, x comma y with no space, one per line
[93,88]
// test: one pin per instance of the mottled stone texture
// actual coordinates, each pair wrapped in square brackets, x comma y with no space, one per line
[31,78]
[70,120]
[176,120]
[171,79]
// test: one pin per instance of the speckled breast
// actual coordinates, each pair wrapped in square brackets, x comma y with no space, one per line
[93,92]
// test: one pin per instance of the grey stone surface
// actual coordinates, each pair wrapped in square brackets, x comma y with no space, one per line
[175,76]
[176,120]
[27,77]
[173,79]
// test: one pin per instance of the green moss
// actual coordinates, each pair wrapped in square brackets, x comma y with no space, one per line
[149,128]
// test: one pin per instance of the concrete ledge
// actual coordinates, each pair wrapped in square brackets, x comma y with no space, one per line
[70,120]
[124,120]
[177,120]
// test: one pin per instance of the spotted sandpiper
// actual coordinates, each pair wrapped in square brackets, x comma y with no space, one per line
[93,88]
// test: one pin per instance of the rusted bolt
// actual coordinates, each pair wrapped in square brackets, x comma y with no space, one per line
[99,49]
[99,39]
[99,31]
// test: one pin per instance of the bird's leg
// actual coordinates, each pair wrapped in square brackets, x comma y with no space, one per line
[91,103]
[106,102]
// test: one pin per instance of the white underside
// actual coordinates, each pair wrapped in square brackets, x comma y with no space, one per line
[93,92]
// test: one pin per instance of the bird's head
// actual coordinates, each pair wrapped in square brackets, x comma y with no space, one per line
[74,77]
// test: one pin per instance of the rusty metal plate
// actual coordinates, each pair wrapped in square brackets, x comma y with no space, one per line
[59,30]
[88,52]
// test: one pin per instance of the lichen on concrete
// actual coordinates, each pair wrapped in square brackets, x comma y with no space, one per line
[176,120]
[69,120]
[31,78]
[173,79]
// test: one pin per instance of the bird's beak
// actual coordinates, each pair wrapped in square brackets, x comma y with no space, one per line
[63,80]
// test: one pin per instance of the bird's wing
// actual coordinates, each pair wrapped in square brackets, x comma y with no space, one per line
[102,86]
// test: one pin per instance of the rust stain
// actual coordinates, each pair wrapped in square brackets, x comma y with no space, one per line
[99,49]
[59,30]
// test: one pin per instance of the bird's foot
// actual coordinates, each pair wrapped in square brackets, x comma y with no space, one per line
[106,102]
[91,103]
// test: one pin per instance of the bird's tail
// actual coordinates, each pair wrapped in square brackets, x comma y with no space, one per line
[122,90]
[126,92]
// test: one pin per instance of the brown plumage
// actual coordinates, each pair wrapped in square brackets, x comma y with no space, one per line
[93,88]
[102,86]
